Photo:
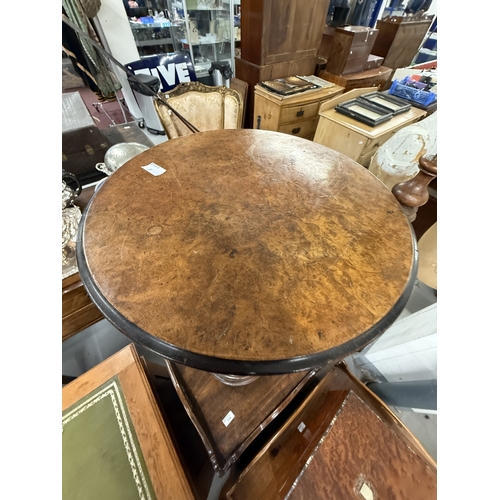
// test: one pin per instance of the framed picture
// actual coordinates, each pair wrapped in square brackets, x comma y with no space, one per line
[364,111]
[389,102]
[289,85]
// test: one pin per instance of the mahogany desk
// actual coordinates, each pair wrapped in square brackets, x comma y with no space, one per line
[254,253]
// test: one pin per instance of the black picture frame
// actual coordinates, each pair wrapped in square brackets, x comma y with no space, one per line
[288,85]
[364,112]
[393,104]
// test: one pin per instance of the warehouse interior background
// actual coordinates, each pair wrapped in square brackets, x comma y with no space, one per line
[467,251]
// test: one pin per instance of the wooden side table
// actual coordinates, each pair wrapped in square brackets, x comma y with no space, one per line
[115,443]
[229,418]
[341,442]
[295,114]
[354,138]
[263,254]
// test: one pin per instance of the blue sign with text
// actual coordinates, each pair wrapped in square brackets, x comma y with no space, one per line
[170,69]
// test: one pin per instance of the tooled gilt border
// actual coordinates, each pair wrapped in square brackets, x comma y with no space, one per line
[112,391]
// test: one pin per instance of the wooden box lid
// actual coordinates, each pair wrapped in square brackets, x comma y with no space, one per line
[342,442]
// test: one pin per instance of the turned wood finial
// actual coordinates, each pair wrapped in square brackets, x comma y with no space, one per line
[414,193]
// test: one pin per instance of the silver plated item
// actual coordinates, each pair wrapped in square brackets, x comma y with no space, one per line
[118,155]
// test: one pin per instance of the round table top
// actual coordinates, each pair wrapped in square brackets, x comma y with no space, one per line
[255,252]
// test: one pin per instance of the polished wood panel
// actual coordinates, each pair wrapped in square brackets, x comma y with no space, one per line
[78,309]
[274,31]
[241,87]
[375,77]
[351,46]
[368,459]
[340,438]
[208,402]
[261,252]
[163,466]
[399,39]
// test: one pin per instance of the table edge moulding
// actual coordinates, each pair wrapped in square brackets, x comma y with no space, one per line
[301,221]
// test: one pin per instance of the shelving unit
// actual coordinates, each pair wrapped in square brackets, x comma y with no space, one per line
[208,34]
[154,38]
[428,50]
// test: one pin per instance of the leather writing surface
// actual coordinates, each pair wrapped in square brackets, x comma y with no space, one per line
[102,458]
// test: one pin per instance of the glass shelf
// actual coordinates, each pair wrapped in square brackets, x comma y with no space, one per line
[209,33]
[204,29]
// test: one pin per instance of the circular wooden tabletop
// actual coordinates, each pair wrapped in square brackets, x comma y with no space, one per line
[255,252]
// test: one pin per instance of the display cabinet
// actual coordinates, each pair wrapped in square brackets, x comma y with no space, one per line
[204,29]
[208,34]
[154,38]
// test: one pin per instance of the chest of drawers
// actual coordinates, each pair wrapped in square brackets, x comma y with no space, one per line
[353,138]
[351,46]
[296,114]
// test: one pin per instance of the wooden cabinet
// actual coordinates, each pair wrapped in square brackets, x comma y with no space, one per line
[278,38]
[212,406]
[274,31]
[351,46]
[353,138]
[399,38]
[296,114]
[78,310]
[253,74]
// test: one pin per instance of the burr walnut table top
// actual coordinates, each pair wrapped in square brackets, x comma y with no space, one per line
[255,252]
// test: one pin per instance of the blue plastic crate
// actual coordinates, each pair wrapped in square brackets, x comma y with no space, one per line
[403,90]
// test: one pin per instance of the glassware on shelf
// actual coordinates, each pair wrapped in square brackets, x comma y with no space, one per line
[208,33]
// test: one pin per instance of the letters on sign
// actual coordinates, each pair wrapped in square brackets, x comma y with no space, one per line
[171,69]
[168,73]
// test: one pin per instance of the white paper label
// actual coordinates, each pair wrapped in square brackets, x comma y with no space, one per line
[301,426]
[366,492]
[154,169]
[228,418]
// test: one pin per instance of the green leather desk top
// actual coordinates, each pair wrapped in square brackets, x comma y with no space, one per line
[102,458]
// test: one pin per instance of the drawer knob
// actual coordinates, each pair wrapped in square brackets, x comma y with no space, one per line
[296,130]
[300,113]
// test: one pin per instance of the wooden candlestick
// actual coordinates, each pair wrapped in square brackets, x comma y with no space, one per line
[414,193]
